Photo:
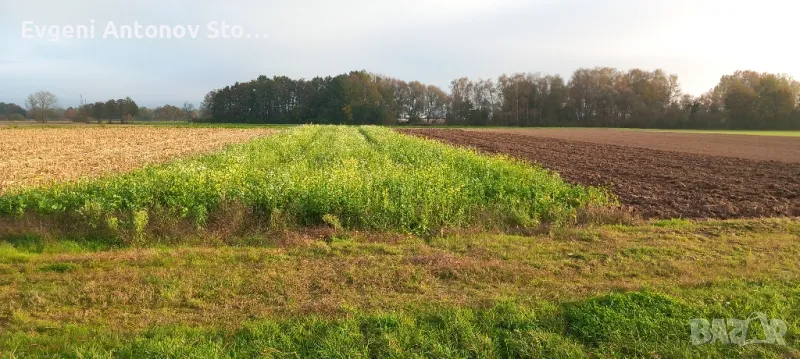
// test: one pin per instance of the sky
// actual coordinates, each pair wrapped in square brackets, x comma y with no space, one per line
[432,41]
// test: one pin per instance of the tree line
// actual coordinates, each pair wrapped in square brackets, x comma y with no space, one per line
[126,110]
[11,112]
[42,106]
[355,98]
[596,97]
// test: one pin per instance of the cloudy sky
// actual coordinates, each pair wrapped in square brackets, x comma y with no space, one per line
[433,41]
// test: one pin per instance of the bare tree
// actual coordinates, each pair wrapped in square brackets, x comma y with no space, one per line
[188,110]
[41,103]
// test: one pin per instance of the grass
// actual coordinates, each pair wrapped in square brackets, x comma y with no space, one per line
[604,291]
[366,178]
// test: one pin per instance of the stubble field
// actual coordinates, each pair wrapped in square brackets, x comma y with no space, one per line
[42,156]
[335,241]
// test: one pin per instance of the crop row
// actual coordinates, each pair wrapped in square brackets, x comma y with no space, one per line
[355,177]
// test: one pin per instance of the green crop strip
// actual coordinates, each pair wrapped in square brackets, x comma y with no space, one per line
[363,178]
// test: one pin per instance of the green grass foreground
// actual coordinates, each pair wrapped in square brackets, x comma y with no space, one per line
[352,177]
[594,292]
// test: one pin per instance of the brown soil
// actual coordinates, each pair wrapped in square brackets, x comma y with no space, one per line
[655,183]
[761,148]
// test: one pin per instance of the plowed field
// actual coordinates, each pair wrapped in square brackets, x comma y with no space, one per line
[760,148]
[656,183]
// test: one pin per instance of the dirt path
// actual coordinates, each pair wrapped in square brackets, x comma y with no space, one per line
[655,183]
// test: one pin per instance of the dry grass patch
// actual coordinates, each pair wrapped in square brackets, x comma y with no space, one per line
[41,156]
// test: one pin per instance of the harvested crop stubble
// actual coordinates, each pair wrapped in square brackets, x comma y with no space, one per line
[41,156]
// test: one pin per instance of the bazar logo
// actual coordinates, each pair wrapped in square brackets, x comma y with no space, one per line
[738,331]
